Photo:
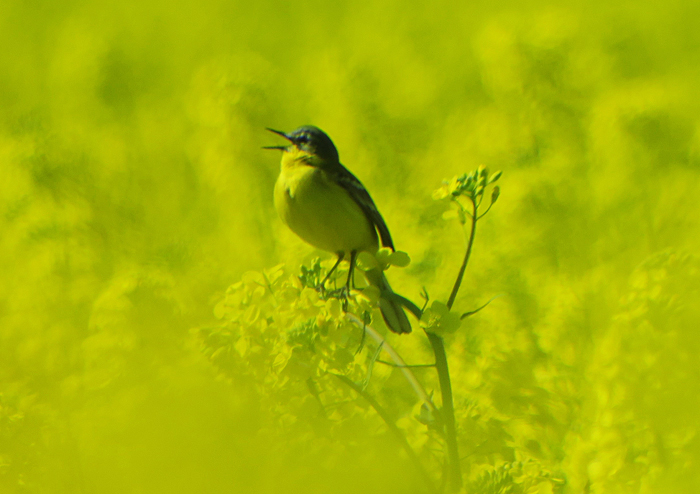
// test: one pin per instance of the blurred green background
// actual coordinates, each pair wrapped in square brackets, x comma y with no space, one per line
[133,191]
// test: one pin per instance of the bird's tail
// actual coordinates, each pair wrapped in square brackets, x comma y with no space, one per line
[392,311]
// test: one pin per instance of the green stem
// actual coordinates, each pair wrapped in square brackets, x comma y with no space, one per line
[470,242]
[393,428]
[447,412]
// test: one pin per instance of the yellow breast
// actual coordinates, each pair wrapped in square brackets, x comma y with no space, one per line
[321,212]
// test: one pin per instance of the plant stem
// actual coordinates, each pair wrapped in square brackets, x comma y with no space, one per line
[393,428]
[447,411]
[470,243]
[436,341]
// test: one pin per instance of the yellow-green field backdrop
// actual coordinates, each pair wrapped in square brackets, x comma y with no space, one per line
[133,192]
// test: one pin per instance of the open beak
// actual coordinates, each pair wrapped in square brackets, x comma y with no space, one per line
[278,132]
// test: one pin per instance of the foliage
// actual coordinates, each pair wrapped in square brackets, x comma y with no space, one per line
[282,336]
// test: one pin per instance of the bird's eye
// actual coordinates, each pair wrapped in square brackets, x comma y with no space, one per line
[303,138]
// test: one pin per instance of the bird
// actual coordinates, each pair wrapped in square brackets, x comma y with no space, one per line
[328,207]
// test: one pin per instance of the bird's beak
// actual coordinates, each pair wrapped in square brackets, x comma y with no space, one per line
[278,132]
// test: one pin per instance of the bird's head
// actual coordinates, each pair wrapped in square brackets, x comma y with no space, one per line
[311,141]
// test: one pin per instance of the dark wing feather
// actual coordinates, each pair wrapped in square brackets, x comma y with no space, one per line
[357,191]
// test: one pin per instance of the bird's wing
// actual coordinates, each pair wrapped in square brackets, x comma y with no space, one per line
[357,191]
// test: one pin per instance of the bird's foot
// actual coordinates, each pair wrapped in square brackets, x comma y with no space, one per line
[321,288]
[344,297]
[342,294]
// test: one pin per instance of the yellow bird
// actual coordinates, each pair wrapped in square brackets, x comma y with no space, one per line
[329,208]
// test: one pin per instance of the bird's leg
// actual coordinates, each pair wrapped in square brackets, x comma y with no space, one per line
[341,256]
[345,291]
[351,270]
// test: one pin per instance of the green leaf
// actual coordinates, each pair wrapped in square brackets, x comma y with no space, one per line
[400,259]
[367,261]
[494,195]
[427,416]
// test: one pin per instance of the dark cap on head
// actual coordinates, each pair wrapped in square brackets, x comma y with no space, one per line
[312,140]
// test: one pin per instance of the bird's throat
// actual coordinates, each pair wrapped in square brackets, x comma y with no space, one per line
[294,158]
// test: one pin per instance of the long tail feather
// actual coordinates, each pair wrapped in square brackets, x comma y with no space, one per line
[392,312]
